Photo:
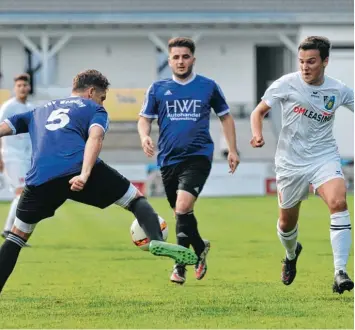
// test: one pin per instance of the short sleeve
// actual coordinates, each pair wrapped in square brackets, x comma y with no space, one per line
[149,107]
[6,112]
[348,98]
[276,93]
[100,118]
[19,123]
[218,101]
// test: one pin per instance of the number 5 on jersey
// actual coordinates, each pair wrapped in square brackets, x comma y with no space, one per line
[57,119]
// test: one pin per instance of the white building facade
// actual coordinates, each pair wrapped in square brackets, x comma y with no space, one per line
[243,45]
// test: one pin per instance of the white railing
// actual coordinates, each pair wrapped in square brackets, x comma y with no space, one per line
[31,6]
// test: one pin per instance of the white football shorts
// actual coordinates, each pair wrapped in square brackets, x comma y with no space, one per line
[295,187]
[15,172]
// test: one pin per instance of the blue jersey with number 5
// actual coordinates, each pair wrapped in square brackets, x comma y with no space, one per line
[58,132]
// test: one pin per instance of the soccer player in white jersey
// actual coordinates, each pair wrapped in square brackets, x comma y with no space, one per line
[15,157]
[307,153]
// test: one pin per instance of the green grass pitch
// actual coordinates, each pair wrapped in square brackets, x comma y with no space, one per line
[84,272]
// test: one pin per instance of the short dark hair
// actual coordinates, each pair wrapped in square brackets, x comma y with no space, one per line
[23,77]
[314,42]
[90,78]
[182,42]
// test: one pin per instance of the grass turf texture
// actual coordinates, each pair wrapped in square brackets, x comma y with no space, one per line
[84,272]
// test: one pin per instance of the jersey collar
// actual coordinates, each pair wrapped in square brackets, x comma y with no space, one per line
[185,82]
[315,87]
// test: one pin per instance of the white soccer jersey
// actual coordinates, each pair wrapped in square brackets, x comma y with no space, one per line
[17,147]
[306,136]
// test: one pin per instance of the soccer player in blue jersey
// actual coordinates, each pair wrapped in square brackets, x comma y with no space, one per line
[67,137]
[182,106]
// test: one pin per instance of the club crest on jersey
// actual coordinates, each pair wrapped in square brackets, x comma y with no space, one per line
[329,102]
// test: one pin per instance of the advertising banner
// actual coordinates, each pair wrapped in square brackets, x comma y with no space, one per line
[124,104]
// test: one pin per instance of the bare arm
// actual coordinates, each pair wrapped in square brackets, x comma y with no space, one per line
[228,126]
[5,130]
[227,122]
[92,150]
[144,129]
[256,121]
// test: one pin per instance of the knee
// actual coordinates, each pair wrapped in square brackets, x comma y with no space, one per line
[183,207]
[337,205]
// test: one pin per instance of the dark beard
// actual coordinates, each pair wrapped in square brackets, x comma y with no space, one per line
[185,75]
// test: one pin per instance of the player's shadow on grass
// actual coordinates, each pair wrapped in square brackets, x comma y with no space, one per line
[346,298]
[62,247]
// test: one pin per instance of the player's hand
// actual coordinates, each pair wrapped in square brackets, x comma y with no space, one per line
[233,161]
[1,166]
[257,141]
[148,146]
[78,182]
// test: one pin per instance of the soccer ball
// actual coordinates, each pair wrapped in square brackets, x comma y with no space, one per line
[140,239]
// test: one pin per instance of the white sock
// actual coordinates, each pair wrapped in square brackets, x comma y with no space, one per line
[340,237]
[288,240]
[12,214]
